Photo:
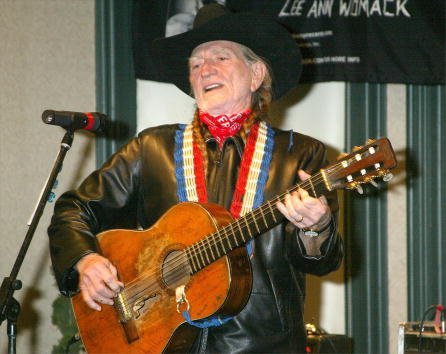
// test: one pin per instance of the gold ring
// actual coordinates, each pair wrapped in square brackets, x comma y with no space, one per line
[301,219]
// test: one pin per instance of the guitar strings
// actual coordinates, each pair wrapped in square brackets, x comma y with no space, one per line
[174,263]
[175,272]
[134,288]
[201,246]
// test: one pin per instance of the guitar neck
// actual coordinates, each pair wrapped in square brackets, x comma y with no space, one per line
[247,227]
[360,166]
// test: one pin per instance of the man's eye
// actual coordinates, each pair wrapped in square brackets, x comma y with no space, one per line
[222,58]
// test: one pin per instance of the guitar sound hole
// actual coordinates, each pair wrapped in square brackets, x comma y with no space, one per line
[175,270]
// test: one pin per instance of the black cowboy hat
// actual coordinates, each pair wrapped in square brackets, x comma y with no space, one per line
[264,36]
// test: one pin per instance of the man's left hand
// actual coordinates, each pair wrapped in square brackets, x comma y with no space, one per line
[303,210]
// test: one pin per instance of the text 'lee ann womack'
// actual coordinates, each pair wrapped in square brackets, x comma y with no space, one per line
[345,8]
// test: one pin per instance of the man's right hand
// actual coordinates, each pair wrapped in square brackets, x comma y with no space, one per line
[98,280]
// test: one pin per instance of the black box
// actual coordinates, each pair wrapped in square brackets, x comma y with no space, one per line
[329,343]
[410,341]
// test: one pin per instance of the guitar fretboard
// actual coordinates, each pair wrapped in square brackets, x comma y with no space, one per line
[245,228]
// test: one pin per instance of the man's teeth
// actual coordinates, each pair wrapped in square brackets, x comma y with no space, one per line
[210,87]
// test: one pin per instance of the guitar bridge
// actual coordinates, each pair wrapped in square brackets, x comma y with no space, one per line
[121,305]
[125,317]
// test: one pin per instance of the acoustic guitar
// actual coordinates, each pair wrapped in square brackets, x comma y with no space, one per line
[191,261]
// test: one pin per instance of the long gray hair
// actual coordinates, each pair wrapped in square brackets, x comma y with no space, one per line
[261,99]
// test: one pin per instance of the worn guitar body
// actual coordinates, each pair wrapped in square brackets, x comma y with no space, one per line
[191,258]
[222,287]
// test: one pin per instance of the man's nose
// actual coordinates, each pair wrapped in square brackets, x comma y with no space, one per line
[208,68]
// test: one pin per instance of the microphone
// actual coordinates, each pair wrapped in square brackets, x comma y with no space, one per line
[92,121]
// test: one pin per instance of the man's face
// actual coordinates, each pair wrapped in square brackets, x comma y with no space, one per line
[222,81]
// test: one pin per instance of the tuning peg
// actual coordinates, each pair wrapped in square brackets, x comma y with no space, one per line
[387,177]
[372,182]
[359,189]
[370,141]
[356,148]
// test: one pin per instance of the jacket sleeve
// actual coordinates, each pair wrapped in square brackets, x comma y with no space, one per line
[80,214]
[329,257]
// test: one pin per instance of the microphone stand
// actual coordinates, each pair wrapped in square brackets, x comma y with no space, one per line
[9,307]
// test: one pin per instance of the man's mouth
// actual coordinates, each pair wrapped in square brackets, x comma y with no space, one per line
[212,87]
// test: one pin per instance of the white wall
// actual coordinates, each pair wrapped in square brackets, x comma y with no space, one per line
[397,215]
[316,110]
[47,61]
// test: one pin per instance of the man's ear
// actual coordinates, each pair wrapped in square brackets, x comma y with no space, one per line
[258,74]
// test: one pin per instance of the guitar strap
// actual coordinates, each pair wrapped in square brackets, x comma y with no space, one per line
[248,193]
[253,173]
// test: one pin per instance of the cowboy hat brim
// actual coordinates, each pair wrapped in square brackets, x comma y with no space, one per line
[264,36]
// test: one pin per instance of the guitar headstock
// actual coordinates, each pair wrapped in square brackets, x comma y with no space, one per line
[363,165]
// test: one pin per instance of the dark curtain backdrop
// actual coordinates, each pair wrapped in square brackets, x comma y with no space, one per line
[380,41]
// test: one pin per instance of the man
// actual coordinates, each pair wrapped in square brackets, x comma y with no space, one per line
[234,64]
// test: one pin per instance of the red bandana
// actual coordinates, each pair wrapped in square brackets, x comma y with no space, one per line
[224,126]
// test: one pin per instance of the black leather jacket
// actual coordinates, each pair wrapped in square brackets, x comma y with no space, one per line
[137,185]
